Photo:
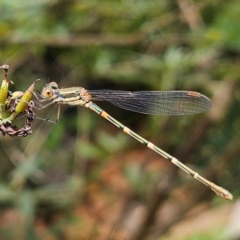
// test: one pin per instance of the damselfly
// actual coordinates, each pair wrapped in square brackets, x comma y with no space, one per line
[147,102]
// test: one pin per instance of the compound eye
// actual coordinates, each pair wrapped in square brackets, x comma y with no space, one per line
[46,93]
[50,90]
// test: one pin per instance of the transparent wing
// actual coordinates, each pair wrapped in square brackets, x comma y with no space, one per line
[155,102]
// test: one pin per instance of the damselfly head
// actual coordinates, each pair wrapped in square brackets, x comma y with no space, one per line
[48,90]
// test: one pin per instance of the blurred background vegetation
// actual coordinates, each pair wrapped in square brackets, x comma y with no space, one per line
[85,179]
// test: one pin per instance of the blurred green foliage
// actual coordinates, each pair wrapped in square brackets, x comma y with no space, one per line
[84,161]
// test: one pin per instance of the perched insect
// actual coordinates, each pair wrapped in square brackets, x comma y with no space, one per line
[147,102]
